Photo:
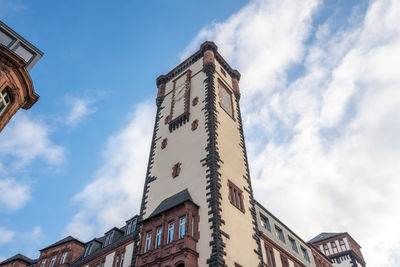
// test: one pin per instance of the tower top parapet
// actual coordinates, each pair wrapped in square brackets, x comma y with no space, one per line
[208,45]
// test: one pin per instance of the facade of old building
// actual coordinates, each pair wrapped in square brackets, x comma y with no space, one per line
[198,207]
[17,57]
[340,248]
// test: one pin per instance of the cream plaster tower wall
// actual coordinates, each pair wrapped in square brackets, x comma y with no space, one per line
[198,145]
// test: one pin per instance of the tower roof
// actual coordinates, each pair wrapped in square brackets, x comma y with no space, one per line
[171,202]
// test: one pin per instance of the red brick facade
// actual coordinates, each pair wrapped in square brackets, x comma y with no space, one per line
[180,250]
[16,80]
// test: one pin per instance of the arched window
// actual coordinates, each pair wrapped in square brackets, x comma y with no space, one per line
[180,265]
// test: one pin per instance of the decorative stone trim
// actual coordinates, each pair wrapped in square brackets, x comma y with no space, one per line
[256,235]
[212,162]
[164,143]
[195,101]
[195,124]
[176,170]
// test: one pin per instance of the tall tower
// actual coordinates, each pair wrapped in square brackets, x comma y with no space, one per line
[198,206]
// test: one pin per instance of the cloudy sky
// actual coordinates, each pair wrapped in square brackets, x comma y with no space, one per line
[320,102]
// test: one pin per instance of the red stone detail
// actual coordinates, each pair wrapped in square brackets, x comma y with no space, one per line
[164,143]
[195,101]
[167,119]
[209,57]
[161,90]
[195,124]
[235,85]
[179,251]
[176,170]
[15,78]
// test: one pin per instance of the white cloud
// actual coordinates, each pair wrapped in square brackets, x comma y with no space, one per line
[5,236]
[13,194]
[25,139]
[324,145]
[116,191]
[80,108]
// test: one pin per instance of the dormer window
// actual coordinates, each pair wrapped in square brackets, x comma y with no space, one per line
[88,250]
[131,227]
[4,100]
[109,239]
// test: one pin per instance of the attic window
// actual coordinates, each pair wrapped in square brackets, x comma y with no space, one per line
[88,250]
[109,239]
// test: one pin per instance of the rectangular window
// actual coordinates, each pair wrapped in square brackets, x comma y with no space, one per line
[182,227]
[225,99]
[88,249]
[333,244]
[236,196]
[63,257]
[305,254]
[133,225]
[122,260]
[53,260]
[279,234]
[293,244]
[170,238]
[265,223]
[5,39]
[270,256]
[116,261]
[341,242]
[4,100]
[192,225]
[43,263]
[158,236]
[326,247]
[129,228]
[148,242]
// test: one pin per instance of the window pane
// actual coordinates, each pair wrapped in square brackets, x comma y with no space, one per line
[23,53]
[182,226]
[5,39]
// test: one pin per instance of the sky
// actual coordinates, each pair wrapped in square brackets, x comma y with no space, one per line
[320,103]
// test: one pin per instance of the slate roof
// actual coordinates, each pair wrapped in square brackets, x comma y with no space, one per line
[62,241]
[323,236]
[18,257]
[171,202]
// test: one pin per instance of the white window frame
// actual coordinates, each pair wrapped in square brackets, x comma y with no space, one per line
[63,257]
[4,95]
[43,263]
[158,237]
[147,245]
[53,260]
[182,223]
[171,227]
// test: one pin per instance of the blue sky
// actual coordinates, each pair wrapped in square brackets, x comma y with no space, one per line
[320,104]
